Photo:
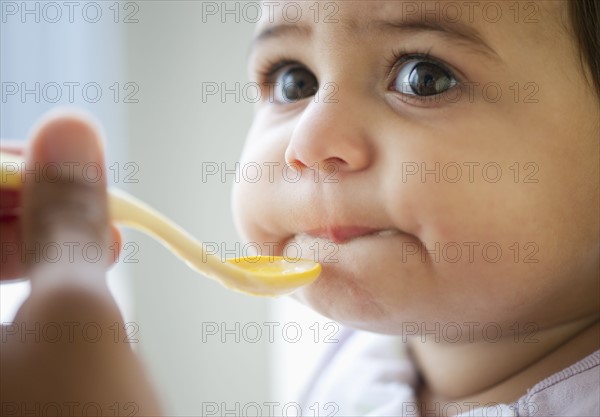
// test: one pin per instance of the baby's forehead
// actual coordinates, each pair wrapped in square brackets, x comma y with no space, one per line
[529,22]
[355,15]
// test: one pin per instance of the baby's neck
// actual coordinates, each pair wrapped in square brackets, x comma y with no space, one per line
[484,373]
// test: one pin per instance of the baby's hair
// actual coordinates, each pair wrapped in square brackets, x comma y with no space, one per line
[585,19]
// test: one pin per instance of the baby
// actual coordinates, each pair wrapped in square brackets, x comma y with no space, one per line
[450,152]
[440,159]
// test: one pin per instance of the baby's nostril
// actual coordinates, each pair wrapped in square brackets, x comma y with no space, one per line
[295,164]
[335,160]
[332,165]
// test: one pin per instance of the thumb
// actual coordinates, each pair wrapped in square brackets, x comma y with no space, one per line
[65,217]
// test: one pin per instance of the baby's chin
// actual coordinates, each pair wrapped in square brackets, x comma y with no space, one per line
[343,302]
[363,290]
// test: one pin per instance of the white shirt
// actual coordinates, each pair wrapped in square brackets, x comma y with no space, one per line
[368,374]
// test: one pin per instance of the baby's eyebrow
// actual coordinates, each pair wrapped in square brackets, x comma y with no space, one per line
[456,31]
[297,29]
[280,31]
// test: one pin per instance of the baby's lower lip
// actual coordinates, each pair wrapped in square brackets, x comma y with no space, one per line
[345,234]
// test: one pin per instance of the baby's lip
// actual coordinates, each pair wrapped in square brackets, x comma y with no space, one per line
[341,234]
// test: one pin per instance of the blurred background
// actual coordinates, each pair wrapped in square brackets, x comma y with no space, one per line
[147,71]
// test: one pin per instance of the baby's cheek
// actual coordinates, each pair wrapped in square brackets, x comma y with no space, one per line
[470,223]
[242,209]
[252,185]
[259,201]
[249,201]
[502,244]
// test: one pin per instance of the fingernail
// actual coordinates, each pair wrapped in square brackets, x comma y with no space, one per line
[67,139]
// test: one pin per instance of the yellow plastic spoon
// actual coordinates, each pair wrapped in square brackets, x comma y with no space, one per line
[259,275]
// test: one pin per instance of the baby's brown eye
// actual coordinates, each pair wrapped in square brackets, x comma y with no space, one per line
[423,78]
[295,83]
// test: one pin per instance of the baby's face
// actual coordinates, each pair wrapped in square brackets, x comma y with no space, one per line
[468,136]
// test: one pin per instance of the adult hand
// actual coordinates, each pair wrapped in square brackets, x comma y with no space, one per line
[60,353]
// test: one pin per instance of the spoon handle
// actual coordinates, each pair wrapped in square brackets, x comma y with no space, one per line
[131,212]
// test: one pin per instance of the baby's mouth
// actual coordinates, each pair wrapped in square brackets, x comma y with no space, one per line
[343,234]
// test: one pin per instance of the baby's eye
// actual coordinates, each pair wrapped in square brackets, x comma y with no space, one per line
[418,77]
[293,84]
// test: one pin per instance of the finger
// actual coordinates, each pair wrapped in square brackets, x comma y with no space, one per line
[65,218]
[12,255]
[11,264]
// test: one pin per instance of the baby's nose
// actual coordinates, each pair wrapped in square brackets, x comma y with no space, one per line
[332,134]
